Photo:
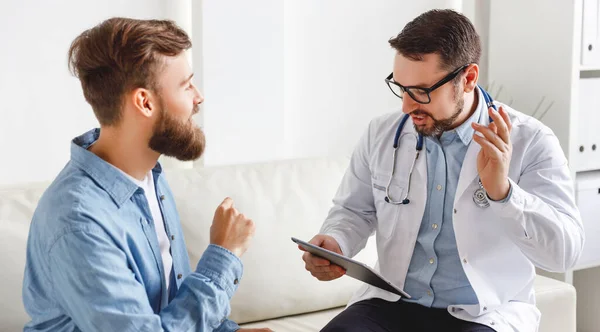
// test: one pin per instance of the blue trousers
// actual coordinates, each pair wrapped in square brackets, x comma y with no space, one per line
[377,315]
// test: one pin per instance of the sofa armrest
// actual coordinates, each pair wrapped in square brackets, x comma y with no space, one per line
[557,302]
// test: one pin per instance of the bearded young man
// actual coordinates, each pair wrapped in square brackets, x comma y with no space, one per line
[106,250]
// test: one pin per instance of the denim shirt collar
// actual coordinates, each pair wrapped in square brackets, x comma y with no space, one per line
[116,184]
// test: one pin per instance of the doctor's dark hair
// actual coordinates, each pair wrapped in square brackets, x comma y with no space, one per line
[445,32]
[120,55]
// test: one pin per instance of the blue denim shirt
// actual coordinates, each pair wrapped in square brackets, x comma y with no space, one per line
[435,275]
[94,264]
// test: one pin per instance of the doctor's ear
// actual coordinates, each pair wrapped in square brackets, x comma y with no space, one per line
[471,77]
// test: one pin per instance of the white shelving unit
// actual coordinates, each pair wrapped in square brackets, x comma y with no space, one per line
[545,57]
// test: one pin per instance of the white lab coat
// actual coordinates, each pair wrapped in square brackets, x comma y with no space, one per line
[499,246]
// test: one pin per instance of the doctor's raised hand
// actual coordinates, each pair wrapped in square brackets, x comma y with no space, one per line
[493,161]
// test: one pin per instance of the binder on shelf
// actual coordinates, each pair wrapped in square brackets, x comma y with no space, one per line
[590,45]
[587,137]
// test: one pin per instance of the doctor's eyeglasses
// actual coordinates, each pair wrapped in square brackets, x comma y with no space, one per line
[419,94]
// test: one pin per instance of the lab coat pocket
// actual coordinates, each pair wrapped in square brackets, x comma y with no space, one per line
[388,214]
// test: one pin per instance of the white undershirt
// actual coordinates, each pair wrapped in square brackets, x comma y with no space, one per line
[163,240]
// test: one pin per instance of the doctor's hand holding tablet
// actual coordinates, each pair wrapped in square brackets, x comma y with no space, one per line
[321,268]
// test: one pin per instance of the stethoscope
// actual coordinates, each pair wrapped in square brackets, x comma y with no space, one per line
[479,196]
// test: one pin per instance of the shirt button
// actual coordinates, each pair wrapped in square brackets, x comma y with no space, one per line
[484,308]
[434,226]
[439,187]
[465,260]
[179,276]
[431,261]
[454,211]
[172,237]
[236,281]
[162,197]
[493,323]
[429,293]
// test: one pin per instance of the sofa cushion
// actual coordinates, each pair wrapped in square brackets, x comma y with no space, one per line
[309,322]
[16,209]
[285,199]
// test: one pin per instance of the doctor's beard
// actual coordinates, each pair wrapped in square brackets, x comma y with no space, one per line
[440,126]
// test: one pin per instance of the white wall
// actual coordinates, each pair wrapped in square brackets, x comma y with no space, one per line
[292,79]
[42,107]
[337,56]
[478,11]
[282,79]
[243,72]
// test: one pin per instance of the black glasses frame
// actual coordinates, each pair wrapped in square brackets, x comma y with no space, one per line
[426,91]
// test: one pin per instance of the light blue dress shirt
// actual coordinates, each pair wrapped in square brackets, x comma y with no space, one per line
[94,264]
[435,275]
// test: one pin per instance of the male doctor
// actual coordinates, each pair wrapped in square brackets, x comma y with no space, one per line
[489,198]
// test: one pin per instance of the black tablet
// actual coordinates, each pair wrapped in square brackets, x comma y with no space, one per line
[354,269]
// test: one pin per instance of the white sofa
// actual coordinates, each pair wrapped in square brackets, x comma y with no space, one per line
[285,198]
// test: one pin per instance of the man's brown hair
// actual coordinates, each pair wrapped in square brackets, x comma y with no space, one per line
[444,32]
[119,55]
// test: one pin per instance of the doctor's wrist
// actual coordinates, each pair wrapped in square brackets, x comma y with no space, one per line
[503,194]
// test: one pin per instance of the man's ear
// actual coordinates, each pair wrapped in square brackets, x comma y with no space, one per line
[144,101]
[471,77]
